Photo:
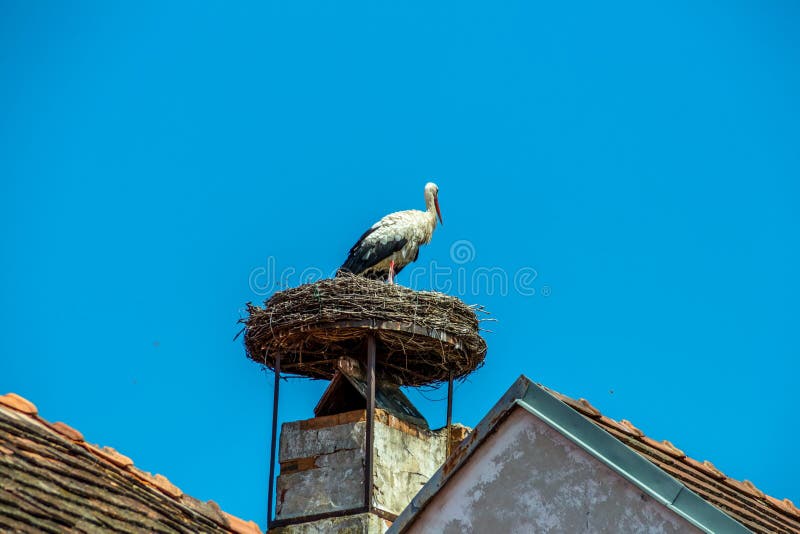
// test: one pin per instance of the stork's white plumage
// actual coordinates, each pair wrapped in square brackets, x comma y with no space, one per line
[394,241]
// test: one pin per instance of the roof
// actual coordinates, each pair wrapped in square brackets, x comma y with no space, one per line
[348,391]
[51,480]
[695,490]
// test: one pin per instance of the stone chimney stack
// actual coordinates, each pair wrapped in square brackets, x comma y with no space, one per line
[321,486]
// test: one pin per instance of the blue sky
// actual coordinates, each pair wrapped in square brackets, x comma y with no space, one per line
[158,158]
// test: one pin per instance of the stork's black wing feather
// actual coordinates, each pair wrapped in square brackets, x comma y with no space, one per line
[368,252]
[360,242]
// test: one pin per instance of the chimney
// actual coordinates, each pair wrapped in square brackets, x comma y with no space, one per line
[357,464]
[322,481]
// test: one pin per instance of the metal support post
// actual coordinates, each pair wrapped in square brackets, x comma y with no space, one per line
[369,453]
[276,390]
[449,412]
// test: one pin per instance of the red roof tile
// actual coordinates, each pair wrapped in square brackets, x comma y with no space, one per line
[632,430]
[109,454]
[241,527]
[15,402]
[51,480]
[740,500]
[67,431]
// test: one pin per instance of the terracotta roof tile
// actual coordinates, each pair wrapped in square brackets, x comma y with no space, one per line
[581,405]
[632,430]
[740,500]
[785,504]
[67,431]
[240,526]
[110,454]
[705,467]
[746,486]
[163,483]
[789,505]
[206,508]
[20,404]
[753,514]
[674,451]
[54,481]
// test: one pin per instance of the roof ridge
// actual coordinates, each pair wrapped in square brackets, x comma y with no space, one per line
[785,506]
[109,455]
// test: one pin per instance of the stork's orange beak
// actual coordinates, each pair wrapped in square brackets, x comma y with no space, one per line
[438,211]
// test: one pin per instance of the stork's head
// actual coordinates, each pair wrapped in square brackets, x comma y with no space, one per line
[432,199]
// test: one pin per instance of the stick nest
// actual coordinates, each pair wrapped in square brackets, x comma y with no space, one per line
[421,336]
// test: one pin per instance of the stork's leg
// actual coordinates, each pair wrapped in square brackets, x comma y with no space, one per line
[391,272]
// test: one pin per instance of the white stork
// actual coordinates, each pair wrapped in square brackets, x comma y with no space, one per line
[394,241]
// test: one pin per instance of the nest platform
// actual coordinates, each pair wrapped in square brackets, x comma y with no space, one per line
[421,336]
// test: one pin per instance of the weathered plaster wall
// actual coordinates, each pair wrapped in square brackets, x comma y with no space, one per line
[403,464]
[322,464]
[529,478]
